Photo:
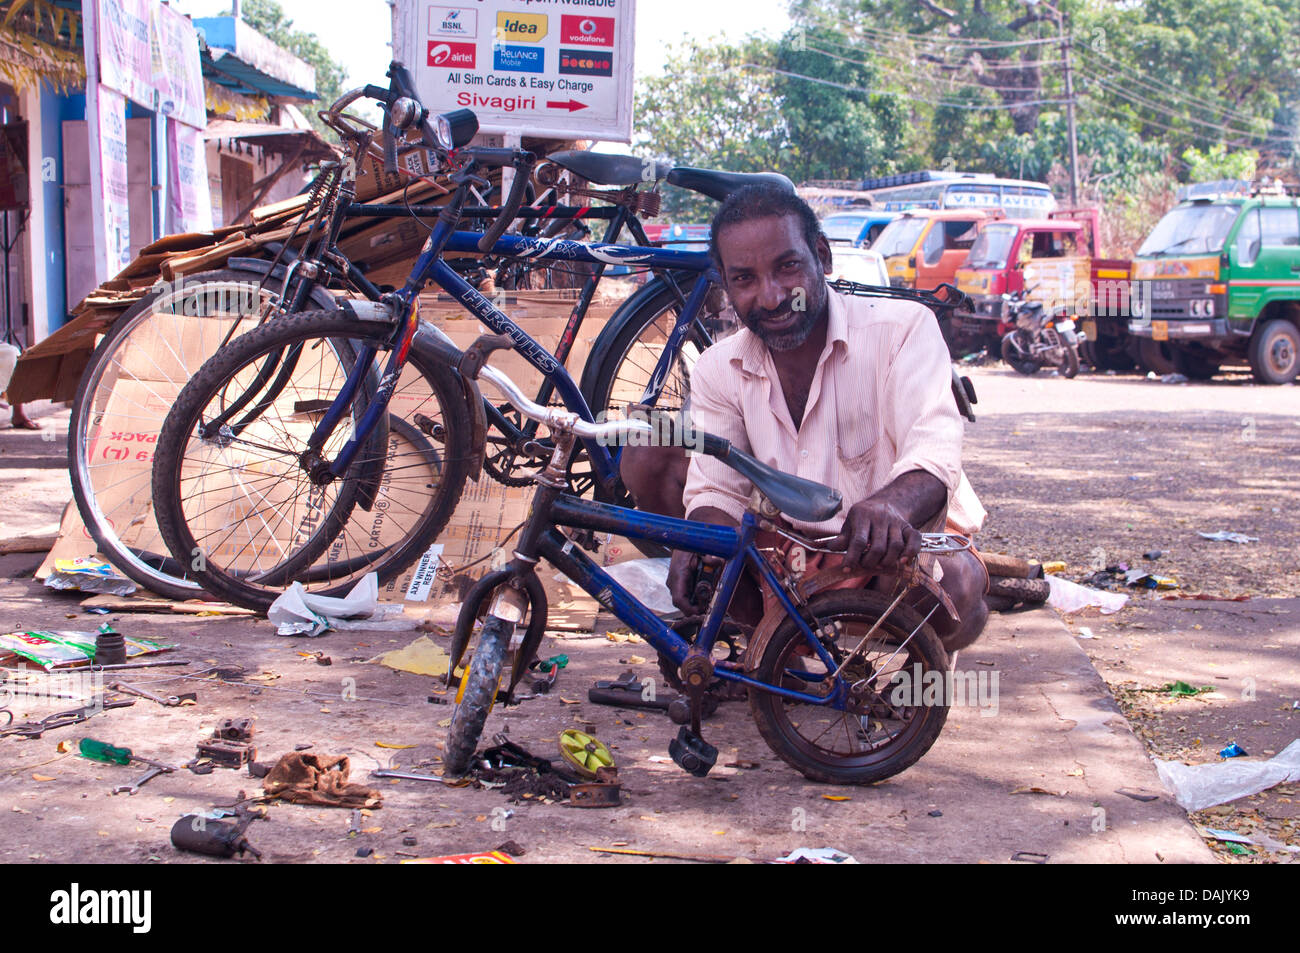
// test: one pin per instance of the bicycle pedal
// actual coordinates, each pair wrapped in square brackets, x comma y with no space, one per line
[692,753]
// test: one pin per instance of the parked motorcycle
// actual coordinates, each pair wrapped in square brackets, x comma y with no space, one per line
[1038,340]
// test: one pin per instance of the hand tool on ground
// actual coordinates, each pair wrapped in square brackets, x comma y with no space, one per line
[170,701]
[406,775]
[112,754]
[34,729]
[144,779]
[154,664]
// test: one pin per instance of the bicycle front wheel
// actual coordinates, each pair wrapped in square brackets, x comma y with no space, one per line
[232,483]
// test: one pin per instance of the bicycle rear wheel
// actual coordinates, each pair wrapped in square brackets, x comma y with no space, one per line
[238,503]
[133,377]
[892,716]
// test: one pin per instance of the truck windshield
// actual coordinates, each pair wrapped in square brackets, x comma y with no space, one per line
[899,237]
[1197,229]
[992,246]
[843,228]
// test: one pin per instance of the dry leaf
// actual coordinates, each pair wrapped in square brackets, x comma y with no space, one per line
[445,723]
[41,777]
[1038,790]
[570,701]
[371,830]
[836,797]
[636,660]
[389,744]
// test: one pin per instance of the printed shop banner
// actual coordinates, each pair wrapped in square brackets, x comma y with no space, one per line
[540,67]
[113,180]
[150,54]
[189,202]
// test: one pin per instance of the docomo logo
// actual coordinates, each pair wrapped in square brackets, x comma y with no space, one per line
[461,55]
[587,31]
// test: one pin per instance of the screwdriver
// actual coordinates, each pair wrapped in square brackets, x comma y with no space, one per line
[111,754]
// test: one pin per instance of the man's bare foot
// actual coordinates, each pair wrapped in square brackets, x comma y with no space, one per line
[20,420]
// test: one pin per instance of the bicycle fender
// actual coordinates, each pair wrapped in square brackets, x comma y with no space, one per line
[819,582]
[257,266]
[469,611]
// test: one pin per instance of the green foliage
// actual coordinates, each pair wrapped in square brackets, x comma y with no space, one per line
[268,18]
[1218,163]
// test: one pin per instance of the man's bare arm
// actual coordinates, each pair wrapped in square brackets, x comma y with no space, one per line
[880,531]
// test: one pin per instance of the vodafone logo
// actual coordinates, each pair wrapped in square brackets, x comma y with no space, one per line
[587,31]
[458,55]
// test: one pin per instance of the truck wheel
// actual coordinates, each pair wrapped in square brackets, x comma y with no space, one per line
[1196,365]
[1275,352]
[1155,356]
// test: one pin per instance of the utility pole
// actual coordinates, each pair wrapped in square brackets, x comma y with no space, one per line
[1066,41]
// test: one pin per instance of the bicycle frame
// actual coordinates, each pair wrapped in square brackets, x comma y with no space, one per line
[551,509]
[430,266]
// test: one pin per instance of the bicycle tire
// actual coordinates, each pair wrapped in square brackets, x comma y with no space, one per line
[481,683]
[1034,591]
[398,517]
[861,608]
[142,362]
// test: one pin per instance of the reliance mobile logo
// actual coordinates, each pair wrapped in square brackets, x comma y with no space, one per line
[587,31]
[519,59]
[453,21]
[521,27]
[460,55]
[587,62]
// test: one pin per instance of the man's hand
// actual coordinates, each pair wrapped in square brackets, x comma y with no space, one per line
[683,568]
[876,536]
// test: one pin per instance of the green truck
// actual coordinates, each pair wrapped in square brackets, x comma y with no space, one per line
[1219,280]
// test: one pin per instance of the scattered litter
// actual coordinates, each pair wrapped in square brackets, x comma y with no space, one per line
[1141,579]
[647,580]
[423,657]
[303,778]
[1138,794]
[299,612]
[816,855]
[1182,688]
[1085,632]
[513,848]
[1153,554]
[935,814]
[1029,857]
[1197,787]
[365,851]
[52,650]
[87,574]
[487,857]
[1227,536]
[1071,597]
[1228,837]
[1233,750]
[1054,566]
[1173,379]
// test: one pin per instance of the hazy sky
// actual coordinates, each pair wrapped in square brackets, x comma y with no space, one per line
[357,32]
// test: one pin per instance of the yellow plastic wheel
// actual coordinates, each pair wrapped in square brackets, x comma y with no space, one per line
[584,752]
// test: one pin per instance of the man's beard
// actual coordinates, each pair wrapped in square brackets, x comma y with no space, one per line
[790,338]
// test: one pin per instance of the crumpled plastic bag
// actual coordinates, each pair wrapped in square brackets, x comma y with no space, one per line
[1198,786]
[1071,597]
[299,612]
[647,579]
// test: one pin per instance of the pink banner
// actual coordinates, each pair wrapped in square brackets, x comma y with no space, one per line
[150,54]
[114,179]
[189,203]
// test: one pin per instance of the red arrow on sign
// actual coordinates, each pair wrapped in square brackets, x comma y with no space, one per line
[571,105]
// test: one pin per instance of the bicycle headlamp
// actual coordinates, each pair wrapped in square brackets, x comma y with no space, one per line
[456,128]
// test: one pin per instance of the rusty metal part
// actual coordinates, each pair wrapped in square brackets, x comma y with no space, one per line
[226,754]
[153,772]
[605,791]
[234,729]
[168,701]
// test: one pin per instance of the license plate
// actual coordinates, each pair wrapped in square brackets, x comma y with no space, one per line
[1090,330]
[1160,330]
[1065,325]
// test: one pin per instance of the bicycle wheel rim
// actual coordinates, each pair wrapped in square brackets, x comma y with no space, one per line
[379,516]
[132,382]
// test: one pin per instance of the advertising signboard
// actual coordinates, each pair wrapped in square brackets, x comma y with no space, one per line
[536,67]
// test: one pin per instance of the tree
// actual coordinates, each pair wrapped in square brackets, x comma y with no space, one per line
[268,18]
[711,109]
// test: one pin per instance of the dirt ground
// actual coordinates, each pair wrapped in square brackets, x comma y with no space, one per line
[1105,469]
[1091,472]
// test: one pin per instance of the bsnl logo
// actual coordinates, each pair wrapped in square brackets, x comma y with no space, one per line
[453,21]
[521,27]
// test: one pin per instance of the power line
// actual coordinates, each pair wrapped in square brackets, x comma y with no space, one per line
[970,42]
[883,92]
[1144,103]
[973,84]
[884,49]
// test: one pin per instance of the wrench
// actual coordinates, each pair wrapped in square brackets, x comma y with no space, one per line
[170,701]
[153,772]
